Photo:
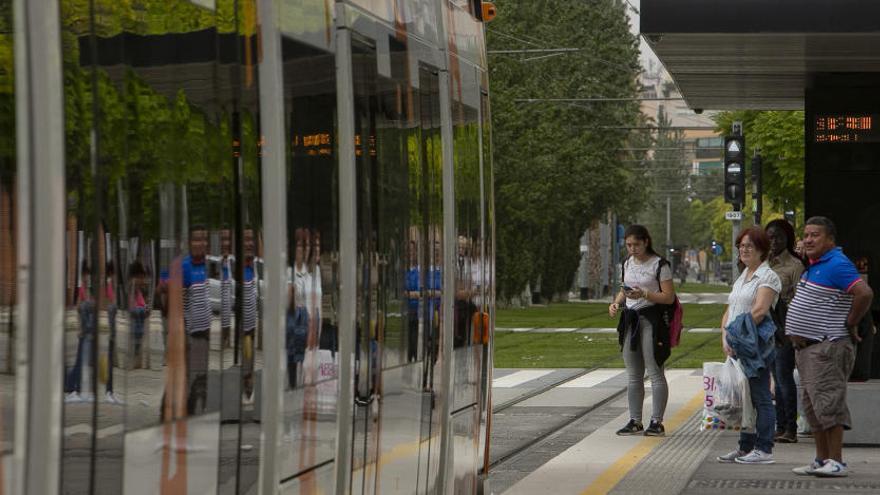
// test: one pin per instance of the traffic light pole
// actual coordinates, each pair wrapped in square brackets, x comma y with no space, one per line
[734,257]
[757,187]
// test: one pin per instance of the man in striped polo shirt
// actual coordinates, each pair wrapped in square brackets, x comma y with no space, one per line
[196,318]
[249,316]
[828,304]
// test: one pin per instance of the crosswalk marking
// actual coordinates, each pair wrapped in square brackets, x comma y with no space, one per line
[518,378]
[593,378]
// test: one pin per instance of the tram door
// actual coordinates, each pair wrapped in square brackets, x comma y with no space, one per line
[399,229]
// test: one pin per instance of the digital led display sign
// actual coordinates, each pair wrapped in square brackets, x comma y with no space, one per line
[846,128]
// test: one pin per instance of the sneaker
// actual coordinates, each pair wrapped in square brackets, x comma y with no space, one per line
[632,428]
[247,399]
[831,469]
[787,437]
[730,456]
[111,398]
[755,457]
[809,469]
[72,397]
[655,429]
[805,434]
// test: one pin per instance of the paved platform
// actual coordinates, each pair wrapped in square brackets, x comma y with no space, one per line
[588,458]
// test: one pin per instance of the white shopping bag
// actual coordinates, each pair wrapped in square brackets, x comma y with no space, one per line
[327,383]
[728,403]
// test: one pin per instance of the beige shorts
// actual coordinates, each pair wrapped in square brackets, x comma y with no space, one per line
[824,369]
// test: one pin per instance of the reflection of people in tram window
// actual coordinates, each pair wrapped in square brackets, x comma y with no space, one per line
[160,302]
[297,326]
[412,289]
[226,285]
[249,316]
[87,322]
[433,290]
[196,317]
[464,307]
[110,295]
[329,334]
[315,291]
[137,308]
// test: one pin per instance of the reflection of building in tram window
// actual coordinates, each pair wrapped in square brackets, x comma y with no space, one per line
[137,309]
[249,316]
[87,323]
[297,326]
[196,318]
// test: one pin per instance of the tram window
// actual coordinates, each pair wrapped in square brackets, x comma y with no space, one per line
[9,333]
[154,137]
[311,330]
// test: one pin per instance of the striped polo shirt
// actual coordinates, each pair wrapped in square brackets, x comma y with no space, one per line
[249,302]
[822,300]
[226,294]
[196,305]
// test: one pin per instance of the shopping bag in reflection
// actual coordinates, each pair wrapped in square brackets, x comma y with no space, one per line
[328,370]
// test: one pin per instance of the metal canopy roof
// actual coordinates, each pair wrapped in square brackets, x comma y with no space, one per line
[760,54]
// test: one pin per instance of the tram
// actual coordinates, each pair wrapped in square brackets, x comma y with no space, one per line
[246,246]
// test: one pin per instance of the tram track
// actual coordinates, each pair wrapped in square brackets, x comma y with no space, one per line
[583,412]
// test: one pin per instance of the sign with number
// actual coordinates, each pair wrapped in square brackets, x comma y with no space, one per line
[733,215]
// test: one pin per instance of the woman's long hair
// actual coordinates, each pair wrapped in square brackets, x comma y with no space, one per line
[640,233]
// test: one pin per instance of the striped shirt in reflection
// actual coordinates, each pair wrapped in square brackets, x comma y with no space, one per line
[226,293]
[249,302]
[196,305]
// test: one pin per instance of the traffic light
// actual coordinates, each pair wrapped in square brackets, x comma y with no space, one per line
[734,173]
[482,10]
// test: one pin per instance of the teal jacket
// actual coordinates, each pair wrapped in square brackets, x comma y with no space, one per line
[753,344]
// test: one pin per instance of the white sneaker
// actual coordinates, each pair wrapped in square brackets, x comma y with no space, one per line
[730,456]
[112,398]
[73,397]
[247,400]
[809,469]
[831,469]
[755,457]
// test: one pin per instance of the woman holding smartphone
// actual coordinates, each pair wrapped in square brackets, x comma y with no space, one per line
[642,332]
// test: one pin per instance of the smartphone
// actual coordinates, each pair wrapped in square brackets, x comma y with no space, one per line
[625,287]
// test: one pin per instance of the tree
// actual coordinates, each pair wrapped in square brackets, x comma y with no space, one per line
[555,170]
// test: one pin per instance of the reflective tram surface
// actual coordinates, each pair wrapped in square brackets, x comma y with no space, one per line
[246,246]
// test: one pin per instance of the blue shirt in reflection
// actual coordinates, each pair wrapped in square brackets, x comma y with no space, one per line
[413,276]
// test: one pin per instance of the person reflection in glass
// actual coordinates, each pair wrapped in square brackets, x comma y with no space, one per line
[315,291]
[433,291]
[248,317]
[464,308]
[137,309]
[110,294]
[226,286]
[297,327]
[87,322]
[160,302]
[196,318]
[412,288]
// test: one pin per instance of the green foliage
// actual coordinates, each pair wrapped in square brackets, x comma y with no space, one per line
[555,173]
[780,137]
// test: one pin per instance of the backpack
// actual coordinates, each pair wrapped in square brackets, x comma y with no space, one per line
[672,314]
